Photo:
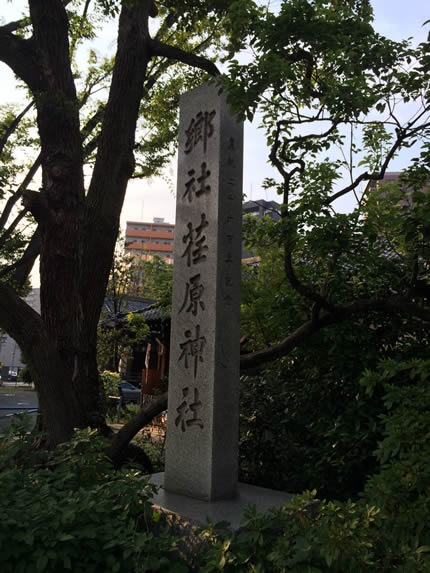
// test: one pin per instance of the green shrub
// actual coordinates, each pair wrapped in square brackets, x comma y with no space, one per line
[25,376]
[111,382]
[304,431]
[154,448]
[402,486]
[387,530]
[68,510]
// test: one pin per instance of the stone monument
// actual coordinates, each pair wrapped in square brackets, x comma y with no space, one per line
[202,443]
[201,471]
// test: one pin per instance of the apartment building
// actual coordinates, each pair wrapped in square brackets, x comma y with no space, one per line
[262,208]
[258,209]
[144,239]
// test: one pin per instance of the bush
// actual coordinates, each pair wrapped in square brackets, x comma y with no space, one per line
[25,376]
[302,432]
[387,530]
[111,382]
[154,447]
[68,510]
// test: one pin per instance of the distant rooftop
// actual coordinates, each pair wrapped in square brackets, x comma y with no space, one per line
[146,307]
[155,221]
[260,203]
[128,304]
[261,208]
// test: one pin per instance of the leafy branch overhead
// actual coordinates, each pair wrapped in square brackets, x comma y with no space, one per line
[332,96]
[165,79]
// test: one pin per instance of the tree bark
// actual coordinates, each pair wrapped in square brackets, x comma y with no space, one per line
[76,232]
[129,430]
[51,378]
[113,167]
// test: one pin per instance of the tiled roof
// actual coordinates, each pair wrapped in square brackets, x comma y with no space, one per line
[127,304]
[151,313]
[146,307]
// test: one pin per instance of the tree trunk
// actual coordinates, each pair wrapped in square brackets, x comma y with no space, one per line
[57,400]
[77,231]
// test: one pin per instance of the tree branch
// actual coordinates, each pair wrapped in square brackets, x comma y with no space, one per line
[304,290]
[170,19]
[173,53]
[342,313]
[402,135]
[18,193]
[130,429]
[92,123]
[21,269]
[9,231]
[115,161]
[37,204]
[13,26]
[301,288]
[20,55]
[9,131]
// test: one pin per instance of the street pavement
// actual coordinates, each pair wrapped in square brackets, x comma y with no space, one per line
[11,397]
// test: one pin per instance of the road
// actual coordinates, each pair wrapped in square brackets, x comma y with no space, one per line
[11,397]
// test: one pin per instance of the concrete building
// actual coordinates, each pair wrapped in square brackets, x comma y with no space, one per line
[262,208]
[144,240]
[10,352]
[258,209]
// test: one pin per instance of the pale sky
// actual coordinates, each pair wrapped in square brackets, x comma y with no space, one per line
[398,19]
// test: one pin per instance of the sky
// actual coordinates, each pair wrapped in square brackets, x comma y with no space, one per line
[397,19]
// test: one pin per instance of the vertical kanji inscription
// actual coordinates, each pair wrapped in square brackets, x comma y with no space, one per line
[201,452]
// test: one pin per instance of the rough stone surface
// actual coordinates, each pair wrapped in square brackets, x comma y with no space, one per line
[186,513]
[202,442]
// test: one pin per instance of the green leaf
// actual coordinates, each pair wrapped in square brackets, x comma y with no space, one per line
[41,562]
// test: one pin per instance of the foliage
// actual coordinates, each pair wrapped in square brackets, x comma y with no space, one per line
[154,448]
[25,375]
[119,332]
[332,96]
[401,488]
[62,507]
[13,167]
[137,327]
[156,280]
[308,410]
[386,530]
[111,382]
[333,292]
[300,433]
[69,510]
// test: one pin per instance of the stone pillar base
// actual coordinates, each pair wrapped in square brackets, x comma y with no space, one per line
[231,510]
